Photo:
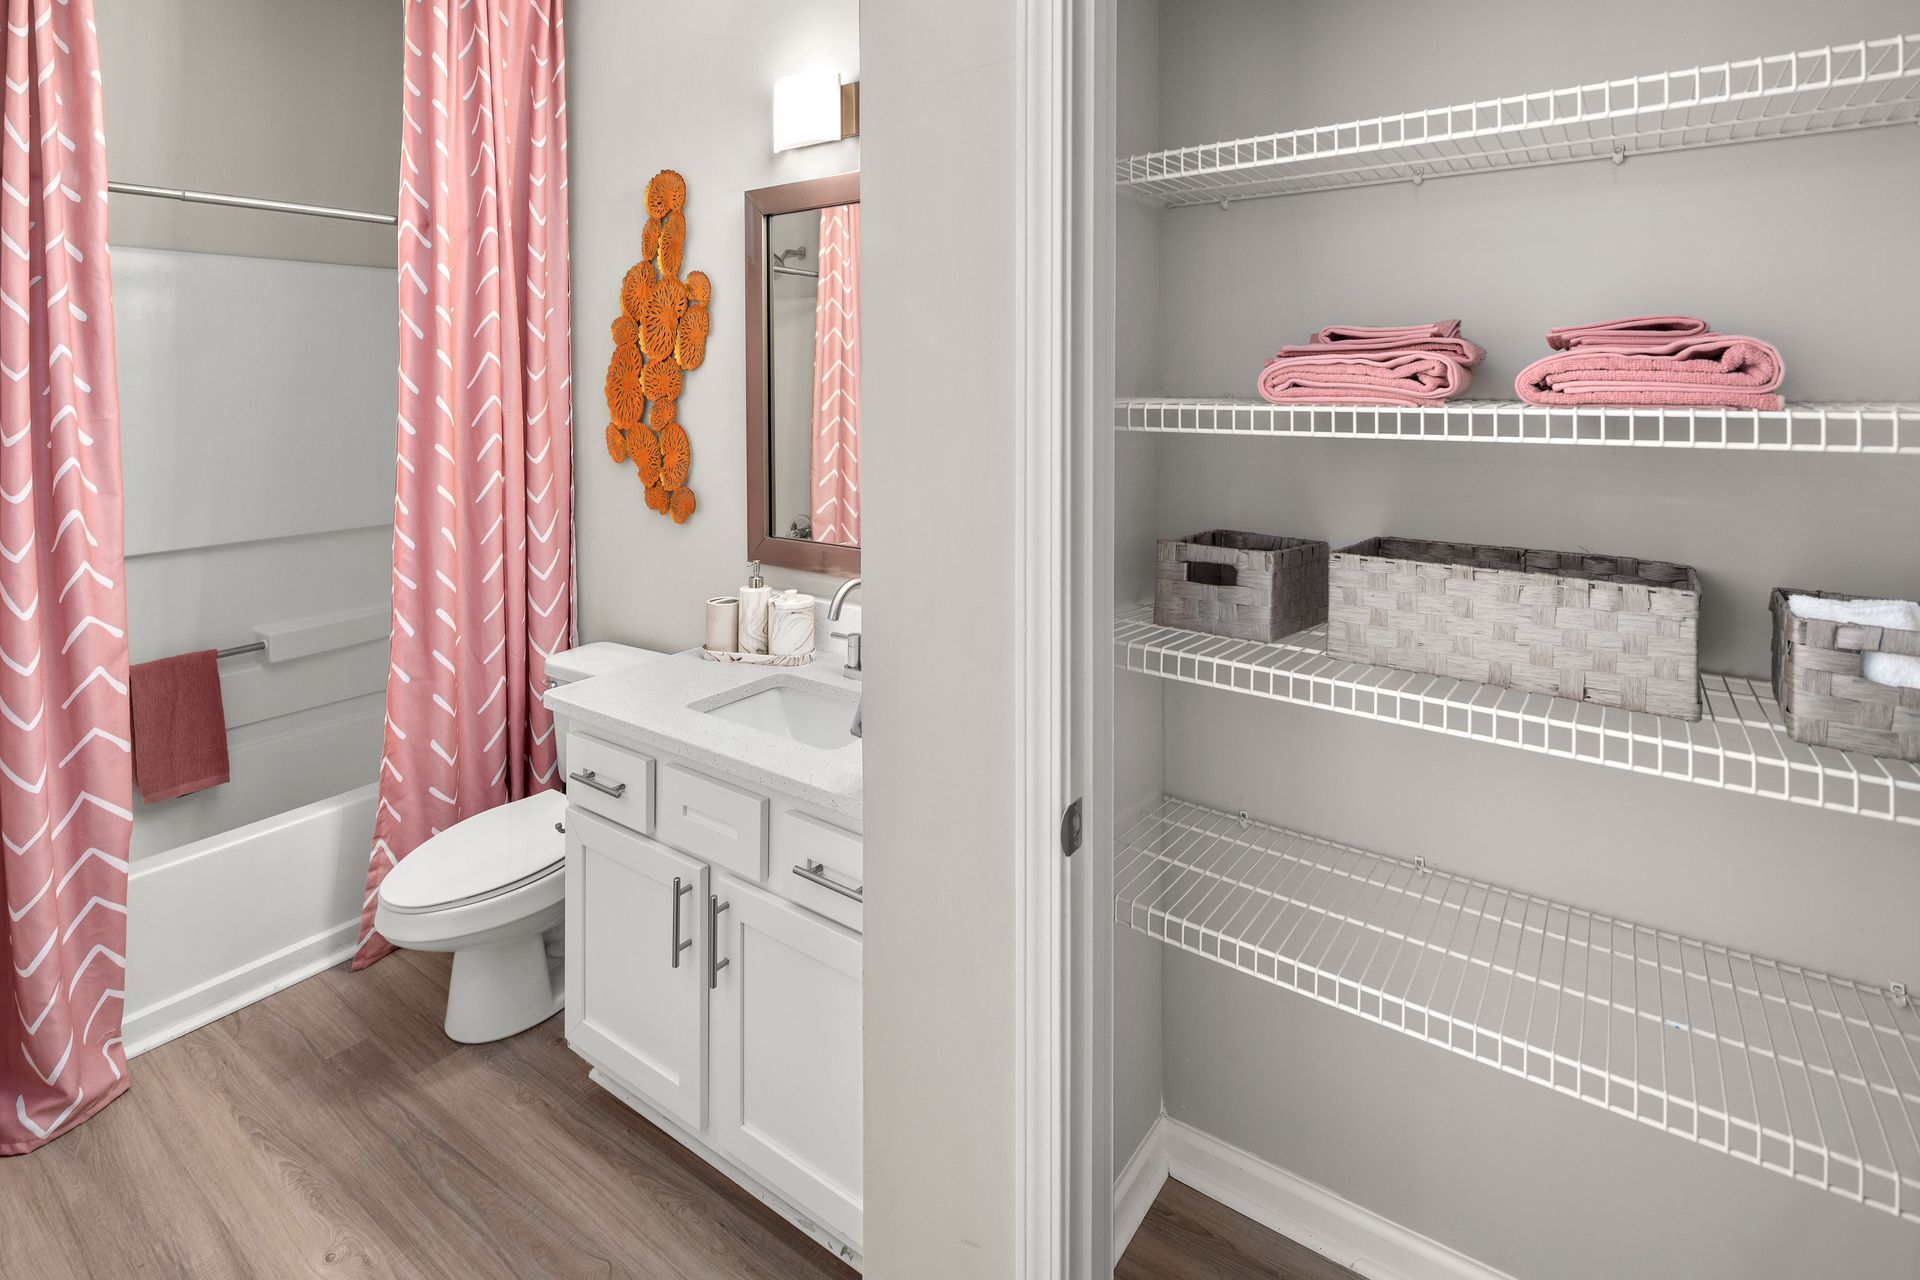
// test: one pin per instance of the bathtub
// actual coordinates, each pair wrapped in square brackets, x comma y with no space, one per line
[222,922]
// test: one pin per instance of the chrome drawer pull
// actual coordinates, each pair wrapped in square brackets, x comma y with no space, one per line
[679,891]
[589,778]
[817,873]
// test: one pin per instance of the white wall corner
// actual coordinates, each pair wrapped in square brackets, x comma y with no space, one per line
[1303,1211]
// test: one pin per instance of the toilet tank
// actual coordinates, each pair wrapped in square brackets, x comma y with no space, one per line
[600,658]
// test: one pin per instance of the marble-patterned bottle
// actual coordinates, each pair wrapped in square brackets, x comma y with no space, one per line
[756,602]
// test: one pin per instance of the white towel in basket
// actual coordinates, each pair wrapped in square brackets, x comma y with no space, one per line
[1898,669]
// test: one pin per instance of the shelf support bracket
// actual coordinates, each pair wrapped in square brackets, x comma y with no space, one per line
[1619,153]
[1419,174]
[1898,992]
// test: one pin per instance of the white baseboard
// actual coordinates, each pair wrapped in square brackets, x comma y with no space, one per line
[211,1001]
[1138,1185]
[1303,1211]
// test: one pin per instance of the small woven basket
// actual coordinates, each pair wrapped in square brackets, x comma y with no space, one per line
[1823,696]
[1604,629]
[1251,586]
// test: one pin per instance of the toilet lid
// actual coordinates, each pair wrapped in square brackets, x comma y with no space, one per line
[481,857]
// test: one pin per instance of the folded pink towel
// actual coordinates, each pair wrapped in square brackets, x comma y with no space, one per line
[1410,378]
[1442,337]
[1633,331]
[1713,369]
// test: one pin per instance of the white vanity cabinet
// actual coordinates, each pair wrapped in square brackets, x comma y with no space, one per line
[637,916]
[713,973]
[786,1052]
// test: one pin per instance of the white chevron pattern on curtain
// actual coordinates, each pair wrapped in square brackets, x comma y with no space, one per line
[66,773]
[836,379]
[483,505]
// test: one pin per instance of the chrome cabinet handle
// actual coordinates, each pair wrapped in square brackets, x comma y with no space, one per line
[588,777]
[679,890]
[816,872]
[714,961]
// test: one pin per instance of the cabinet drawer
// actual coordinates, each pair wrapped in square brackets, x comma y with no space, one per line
[807,851]
[711,820]
[614,782]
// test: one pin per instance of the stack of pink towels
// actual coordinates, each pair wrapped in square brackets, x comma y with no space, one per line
[1654,360]
[1412,365]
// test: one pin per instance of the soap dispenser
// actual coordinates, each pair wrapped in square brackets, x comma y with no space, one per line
[756,602]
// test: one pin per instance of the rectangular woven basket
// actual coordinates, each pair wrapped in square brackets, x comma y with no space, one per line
[1251,586]
[1823,696]
[1611,630]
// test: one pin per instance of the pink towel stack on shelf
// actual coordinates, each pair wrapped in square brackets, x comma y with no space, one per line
[1654,360]
[1411,365]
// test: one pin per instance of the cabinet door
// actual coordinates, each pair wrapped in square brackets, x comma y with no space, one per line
[636,971]
[786,1053]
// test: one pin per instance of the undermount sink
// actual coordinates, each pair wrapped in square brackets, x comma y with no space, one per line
[799,714]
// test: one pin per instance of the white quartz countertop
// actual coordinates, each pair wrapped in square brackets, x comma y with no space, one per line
[663,704]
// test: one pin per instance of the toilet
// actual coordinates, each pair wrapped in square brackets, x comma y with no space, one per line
[492,890]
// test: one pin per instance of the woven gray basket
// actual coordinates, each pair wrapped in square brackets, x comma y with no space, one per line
[1251,586]
[1823,696]
[1603,629]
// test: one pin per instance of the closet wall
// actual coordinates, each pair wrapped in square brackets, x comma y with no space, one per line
[1805,242]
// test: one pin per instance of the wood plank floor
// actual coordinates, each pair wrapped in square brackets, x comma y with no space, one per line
[1187,1236]
[334,1130]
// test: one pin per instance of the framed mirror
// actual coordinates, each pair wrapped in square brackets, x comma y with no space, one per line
[803,375]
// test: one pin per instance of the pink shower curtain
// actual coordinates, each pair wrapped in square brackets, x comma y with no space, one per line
[66,778]
[836,383]
[483,507]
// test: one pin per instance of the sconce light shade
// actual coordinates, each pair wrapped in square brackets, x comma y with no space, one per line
[806,109]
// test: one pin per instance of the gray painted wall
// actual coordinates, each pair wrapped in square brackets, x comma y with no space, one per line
[937,108]
[1769,239]
[641,578]
[283,99]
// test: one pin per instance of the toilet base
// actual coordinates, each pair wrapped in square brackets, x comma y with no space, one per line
[501,989]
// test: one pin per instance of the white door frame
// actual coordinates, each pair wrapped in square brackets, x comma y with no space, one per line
[1063,625]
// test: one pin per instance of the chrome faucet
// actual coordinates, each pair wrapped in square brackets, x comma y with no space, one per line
[852,669]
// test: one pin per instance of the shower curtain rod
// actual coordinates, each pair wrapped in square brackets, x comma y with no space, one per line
[250,202]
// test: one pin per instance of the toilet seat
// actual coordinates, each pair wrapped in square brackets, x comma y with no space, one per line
[490,854]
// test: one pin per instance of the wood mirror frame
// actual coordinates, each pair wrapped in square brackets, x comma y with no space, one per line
[762,544]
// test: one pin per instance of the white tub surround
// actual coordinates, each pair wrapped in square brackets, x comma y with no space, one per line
[219,923]
[714,913]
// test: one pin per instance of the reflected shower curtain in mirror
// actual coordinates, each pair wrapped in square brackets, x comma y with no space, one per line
[66,775]
[483,506]
[836,380]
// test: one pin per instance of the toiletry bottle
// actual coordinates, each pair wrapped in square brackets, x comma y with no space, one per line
[756,602]
[791,629]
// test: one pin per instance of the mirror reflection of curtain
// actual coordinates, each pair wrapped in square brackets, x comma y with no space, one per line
[836,383]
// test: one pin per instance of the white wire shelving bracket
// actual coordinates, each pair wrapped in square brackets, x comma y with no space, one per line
[1740,743]
[1799,428]
[1798,1072]
[1864,85]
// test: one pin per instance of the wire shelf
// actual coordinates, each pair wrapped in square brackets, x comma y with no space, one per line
[1799,428]
[1805,1074]
[1740,744]
[1867,84]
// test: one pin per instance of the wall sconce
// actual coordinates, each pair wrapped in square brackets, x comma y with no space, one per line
[811,107]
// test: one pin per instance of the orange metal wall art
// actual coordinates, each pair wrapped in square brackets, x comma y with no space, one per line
[659,337]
